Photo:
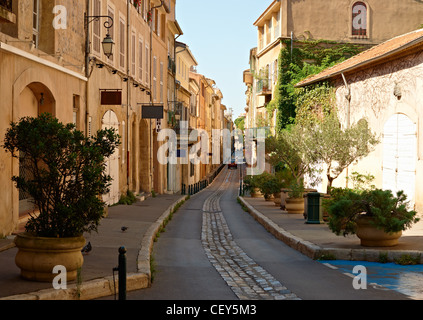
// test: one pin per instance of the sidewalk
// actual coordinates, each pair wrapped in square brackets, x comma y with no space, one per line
[318,241]
[143,220]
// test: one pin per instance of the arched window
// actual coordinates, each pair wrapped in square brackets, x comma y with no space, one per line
[359,19]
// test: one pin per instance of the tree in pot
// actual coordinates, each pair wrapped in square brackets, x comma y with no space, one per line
[268,185]
[66,183]
[295,200]
[328,143]
[251,184]
[376,216]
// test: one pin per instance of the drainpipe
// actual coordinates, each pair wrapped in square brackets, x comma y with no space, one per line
[127,91]
[87,71]
[151,92]
[348,97]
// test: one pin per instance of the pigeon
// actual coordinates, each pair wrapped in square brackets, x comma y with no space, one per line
[124,229]
[87,248]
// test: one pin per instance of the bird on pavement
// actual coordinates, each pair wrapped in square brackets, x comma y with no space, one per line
[87,248]
[124,228]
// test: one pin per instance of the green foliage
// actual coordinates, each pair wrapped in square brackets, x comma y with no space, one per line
[407,259]
[307,58]
[240,123]
[390,213]
[127,199]
[288,149]
[296,190]
[67,174]
[327,142]
[269,184]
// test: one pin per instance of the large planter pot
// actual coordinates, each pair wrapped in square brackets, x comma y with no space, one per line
[277,199]
[268,197]
[370,236]
[38,256]
[255,193]
[294,205]
[284,196]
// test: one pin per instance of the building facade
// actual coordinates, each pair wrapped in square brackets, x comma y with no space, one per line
[365,23]
[382,86]
[52,60]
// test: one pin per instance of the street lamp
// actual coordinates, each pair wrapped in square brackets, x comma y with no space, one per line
[107,43]
[108,46]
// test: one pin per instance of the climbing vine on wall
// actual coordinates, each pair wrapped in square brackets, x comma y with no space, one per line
[295,64]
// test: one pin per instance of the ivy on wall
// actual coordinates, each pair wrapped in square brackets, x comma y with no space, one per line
[306,58]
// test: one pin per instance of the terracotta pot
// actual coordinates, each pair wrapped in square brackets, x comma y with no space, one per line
[294,205]
[38,256]
[255,193]
[370,236]
[269,197]
[277,199]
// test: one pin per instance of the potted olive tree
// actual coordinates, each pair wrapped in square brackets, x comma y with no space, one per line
[376,216]
[66,183]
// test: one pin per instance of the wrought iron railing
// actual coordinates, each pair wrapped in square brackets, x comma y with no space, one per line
[7,4]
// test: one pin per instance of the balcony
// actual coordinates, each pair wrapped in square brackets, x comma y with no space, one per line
[264,87]
[171,65]
[6,14]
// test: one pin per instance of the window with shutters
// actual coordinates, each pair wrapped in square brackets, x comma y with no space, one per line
[36,22]
[154,78]
[147,65]
[122,43]
[133,54]
[140,62]
[161,82]
[96,26]
[111,13]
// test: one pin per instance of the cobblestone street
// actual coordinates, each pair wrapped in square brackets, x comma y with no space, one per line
[247,279]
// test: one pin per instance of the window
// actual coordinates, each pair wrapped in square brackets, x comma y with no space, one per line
[154,78]
[140,63]
[277,26]
[36,22]
[147,72]
[359,19]
[161,82]
[122,44]
[96,26]
[133,58]
[76,107]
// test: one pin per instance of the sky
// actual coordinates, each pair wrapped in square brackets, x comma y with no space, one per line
[220,34]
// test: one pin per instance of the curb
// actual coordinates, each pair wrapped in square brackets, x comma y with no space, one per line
[316,252]
[104,287]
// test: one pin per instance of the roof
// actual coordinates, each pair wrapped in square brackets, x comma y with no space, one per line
[377,53]
[270,9]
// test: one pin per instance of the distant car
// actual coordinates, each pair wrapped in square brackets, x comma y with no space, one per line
[232,165]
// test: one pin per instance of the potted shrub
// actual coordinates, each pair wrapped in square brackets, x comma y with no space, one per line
[294,204]
[66,184]
[376,216]
[251,184]
[268,185]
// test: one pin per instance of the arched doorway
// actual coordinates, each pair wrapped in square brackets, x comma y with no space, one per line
[110,121]
[400,155]
[32,101]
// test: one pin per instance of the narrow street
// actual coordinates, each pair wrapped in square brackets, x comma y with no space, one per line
[213,250]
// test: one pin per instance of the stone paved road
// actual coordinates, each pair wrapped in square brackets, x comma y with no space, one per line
[247,279]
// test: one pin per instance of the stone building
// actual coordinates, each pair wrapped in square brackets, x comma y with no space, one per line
[42,69]
[366,23]
[383,86]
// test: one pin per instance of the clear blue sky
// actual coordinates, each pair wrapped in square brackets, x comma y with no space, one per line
[220,34]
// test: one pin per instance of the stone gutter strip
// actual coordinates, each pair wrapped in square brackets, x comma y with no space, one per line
[316,252]
[104,287]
